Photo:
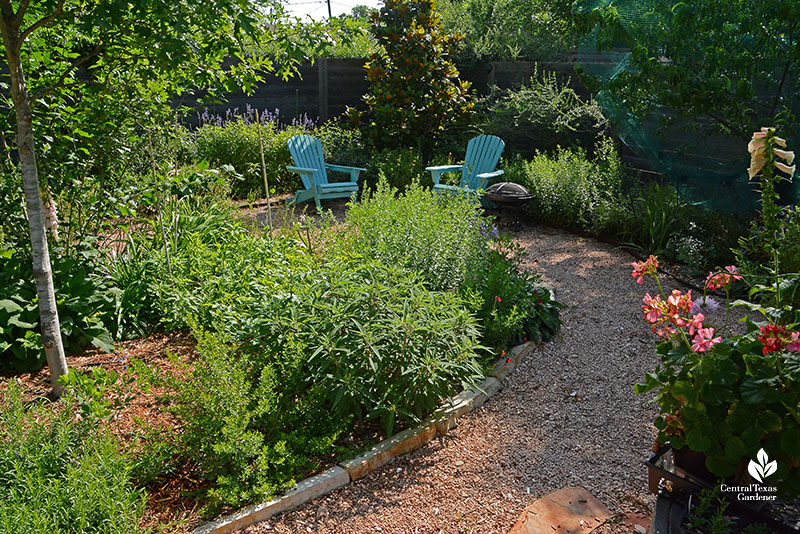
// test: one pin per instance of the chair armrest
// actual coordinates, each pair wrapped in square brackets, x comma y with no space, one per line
[446,168]
[301,170]
[436,172]
[354,171]
[482,180]
[490,175]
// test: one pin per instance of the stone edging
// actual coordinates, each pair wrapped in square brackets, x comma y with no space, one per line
[443,420]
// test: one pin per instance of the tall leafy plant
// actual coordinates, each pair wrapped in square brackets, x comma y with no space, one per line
[414,90]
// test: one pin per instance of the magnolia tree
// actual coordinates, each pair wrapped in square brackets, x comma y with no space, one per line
[56,49]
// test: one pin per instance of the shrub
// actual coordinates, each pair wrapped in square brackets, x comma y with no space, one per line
[436,236]
[400,167]
[542,115]
[382,346]
[511,30]
[61,474]
[234,142]
[512,305]
[219,267]
[453,249]
[343,145]
[570,190]
[251,422]
[414,92]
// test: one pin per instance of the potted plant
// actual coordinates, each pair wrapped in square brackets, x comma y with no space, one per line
[731,401]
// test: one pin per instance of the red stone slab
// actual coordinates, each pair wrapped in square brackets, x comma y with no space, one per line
[566,511]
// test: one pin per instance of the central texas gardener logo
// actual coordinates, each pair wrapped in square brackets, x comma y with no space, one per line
[763,468]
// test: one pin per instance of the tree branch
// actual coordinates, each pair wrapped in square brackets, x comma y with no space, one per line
[41,22]
[61,79]
[21,10]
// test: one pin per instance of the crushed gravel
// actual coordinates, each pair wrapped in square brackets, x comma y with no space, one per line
[566,416]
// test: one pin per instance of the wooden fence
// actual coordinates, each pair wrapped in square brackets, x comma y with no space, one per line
[325,88]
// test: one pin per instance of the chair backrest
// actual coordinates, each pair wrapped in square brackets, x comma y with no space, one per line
[483,153]
[307,152]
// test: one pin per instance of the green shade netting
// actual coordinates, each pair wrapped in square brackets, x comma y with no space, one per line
[709,169]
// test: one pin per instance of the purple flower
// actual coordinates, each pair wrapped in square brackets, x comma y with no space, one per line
[704,305]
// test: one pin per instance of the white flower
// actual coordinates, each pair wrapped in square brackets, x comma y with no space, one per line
[785,154]
[785,168]
[51,217]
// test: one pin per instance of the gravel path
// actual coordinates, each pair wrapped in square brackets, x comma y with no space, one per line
[566,416]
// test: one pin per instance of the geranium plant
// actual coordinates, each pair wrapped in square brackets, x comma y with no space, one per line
[726,396]
[731,397]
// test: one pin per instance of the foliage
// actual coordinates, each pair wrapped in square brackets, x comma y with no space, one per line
[436,236]
[85,302]
[656,214]
[444,240]
[677,59]
[381,345]
[725,398]
[511,30]
[252,422]
[571,190]
[415,93]
[511,303]
[61,474]
[343,145]
[400,167]
[234,141]
[541,115]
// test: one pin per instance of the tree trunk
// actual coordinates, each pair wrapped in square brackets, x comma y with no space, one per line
[42,272]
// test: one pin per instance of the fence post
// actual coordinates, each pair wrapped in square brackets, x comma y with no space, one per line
[322,87]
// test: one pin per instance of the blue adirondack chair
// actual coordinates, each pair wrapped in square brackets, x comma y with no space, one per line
[310,165]
[483,153]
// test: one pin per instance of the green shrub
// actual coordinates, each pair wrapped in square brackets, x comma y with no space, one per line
[445,240]
[415,93]
[655,215]
[542,115]
[382,345]
[343,146]
[219,266]
[61,474]
[400,167]
[512,305]
[511,30]
[434,235]
[235,142]
[572,191]
[251,422]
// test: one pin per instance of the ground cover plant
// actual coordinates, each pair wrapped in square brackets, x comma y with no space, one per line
[61,473]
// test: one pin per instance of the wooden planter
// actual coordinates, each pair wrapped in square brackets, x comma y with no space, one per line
[677,478]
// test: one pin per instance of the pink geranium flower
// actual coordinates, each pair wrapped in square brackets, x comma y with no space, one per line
[704,340]
[641,268]
[696,323]
[723,279]
[794,344]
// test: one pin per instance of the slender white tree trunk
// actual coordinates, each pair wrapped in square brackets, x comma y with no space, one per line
[42,272]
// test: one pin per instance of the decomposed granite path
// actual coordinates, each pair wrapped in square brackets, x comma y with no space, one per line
[567,416]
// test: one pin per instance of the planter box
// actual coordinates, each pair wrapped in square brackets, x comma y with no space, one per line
[675,486]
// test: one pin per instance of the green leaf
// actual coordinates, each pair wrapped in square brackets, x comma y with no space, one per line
[697,440]
[734,449]
[769,421]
